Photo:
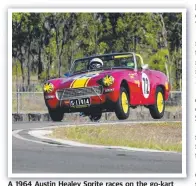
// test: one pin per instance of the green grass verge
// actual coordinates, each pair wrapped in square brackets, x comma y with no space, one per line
[159,136]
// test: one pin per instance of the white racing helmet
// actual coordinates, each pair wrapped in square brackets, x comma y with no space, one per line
[95,63]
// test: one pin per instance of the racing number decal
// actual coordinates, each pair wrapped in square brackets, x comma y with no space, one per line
[145,85]
[145,80]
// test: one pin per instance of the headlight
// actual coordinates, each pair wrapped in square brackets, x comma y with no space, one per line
[48,87]
[108,80]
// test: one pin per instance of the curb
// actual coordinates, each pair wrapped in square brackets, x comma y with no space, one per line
[42,134]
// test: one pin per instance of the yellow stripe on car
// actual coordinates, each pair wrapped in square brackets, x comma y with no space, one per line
[79,83]
[87,82]
[72,83]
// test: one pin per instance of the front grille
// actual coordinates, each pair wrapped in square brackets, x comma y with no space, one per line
[79,92]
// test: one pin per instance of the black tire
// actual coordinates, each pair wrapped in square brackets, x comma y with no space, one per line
[156,110]
[95,117]
[56,115]
[122,110]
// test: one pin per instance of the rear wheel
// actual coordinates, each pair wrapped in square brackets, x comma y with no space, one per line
[56,115]
[95,116]
[157,110]
[122,106]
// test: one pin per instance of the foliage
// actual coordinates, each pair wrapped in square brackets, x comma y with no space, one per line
[45,44]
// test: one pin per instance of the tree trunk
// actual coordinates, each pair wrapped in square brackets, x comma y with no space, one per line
[21,59]
[59,66]
[29,66]
[58,52]
[22,71]
[49,64]
[164,34]
[59,58]
[40,65]
[135,43]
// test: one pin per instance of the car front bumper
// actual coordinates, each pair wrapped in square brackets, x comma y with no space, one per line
[105,101]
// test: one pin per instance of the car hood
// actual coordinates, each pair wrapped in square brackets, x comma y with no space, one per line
[86,79]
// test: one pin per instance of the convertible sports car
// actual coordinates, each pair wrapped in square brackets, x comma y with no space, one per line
[107,83]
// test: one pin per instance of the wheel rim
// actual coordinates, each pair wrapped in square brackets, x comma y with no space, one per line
[125,105]
[160,102]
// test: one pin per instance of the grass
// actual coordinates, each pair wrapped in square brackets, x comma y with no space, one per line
[29,102]
[159,136]
[177,108]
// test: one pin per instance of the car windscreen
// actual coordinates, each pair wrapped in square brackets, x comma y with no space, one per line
[111,61]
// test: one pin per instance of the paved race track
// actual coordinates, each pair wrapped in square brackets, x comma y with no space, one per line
[50,157]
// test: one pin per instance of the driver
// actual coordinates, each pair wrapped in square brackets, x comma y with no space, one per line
[95,63]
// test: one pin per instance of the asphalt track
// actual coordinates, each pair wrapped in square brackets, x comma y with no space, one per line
[37,156]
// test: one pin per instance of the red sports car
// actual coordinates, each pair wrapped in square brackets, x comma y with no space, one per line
[107,83]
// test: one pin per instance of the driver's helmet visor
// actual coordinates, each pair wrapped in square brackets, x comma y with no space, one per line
[96,65]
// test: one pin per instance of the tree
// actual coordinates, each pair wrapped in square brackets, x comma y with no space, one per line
[19,48]
[45,44]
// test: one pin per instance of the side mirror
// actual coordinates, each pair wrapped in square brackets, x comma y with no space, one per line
[145,66]
[67,74]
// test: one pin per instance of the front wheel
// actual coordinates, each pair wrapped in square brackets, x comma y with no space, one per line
[94,117]
[56,115]
[122,106]
[157,110]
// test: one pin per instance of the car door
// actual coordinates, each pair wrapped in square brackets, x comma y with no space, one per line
[146,87]
[144,82]
[135,87]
